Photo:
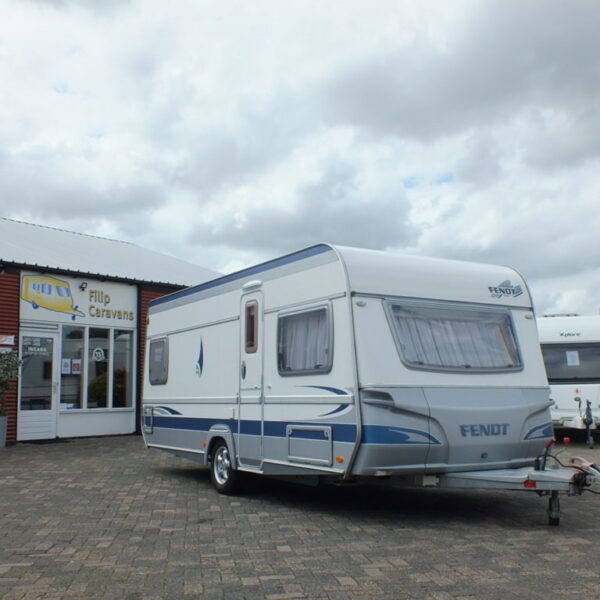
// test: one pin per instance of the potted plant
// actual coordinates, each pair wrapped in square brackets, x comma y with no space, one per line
[9,369]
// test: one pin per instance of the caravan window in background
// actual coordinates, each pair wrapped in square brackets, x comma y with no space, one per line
[304,342]
[454,338]
[572,362]
[158,361]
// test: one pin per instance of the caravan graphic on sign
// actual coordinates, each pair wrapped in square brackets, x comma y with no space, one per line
[43,291]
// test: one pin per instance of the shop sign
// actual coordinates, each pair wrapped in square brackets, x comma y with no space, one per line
[35,346]
[98,355]
[87,301]
[7,340]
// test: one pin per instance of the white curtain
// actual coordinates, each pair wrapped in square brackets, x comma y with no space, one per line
[467,339]
[304,341]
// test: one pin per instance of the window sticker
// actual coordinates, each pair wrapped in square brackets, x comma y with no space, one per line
[572,358]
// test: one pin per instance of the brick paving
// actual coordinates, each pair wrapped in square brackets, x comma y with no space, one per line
[105,518]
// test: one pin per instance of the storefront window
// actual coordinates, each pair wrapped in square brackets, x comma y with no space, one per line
[98,356]
[123,368]
[71,390]
[108,370]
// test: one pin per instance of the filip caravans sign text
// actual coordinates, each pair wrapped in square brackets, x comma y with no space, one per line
[64,299]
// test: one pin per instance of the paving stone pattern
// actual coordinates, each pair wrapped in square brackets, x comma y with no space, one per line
[105,518]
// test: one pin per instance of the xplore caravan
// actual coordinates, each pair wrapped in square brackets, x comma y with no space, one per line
[345,363]
[571,349]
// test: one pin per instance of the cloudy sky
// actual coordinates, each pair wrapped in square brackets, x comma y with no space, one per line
[229,132]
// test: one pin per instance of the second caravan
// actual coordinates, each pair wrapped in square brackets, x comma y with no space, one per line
[571,350]
[348,363]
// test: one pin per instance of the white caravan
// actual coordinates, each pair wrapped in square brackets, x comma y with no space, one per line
[571,349]
[347,363]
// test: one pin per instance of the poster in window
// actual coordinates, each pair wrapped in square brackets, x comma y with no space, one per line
[65,368]
[572,358]
[76,366]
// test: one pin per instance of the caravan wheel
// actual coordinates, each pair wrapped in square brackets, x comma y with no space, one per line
[222,474]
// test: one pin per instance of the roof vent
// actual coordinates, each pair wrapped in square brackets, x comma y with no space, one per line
[252,285]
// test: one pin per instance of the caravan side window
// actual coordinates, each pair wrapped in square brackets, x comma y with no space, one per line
[158,361]
[454,338]
[305,342]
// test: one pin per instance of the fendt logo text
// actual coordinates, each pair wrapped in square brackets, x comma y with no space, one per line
[479,430]
[505,289]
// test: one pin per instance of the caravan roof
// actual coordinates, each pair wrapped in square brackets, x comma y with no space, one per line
[384,273]
[568,329]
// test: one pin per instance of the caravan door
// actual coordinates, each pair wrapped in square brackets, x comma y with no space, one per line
[250,425]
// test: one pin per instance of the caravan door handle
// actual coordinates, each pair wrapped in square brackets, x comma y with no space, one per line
[243,369]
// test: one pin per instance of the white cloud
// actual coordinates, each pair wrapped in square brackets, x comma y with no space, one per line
[228,133]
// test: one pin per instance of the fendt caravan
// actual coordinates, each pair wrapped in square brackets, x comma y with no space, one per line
[345,363]
[571,350]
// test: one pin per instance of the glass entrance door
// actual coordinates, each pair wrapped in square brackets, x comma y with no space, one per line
[38,387]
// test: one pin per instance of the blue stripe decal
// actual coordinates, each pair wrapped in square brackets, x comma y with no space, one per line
[341,432]
[167,409]
[372,434]
[541,432]
[250,427]
[267,266]
[327,389]
[382,434]
[340,408]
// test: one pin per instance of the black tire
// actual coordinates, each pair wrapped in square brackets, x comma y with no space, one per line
[222,474]
[554,509]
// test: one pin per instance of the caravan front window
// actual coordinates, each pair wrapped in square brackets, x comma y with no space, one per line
[304,342]
[453,338]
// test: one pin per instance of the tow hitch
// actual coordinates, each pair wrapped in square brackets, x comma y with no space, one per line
[548,477]
[585,477]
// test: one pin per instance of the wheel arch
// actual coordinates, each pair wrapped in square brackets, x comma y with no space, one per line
[216,434]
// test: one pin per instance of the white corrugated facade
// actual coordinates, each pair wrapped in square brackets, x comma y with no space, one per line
[74,306]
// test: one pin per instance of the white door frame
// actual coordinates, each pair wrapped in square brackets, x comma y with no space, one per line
[251,398]
[39,423]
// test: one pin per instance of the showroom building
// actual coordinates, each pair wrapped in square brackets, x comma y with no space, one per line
[75,306]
